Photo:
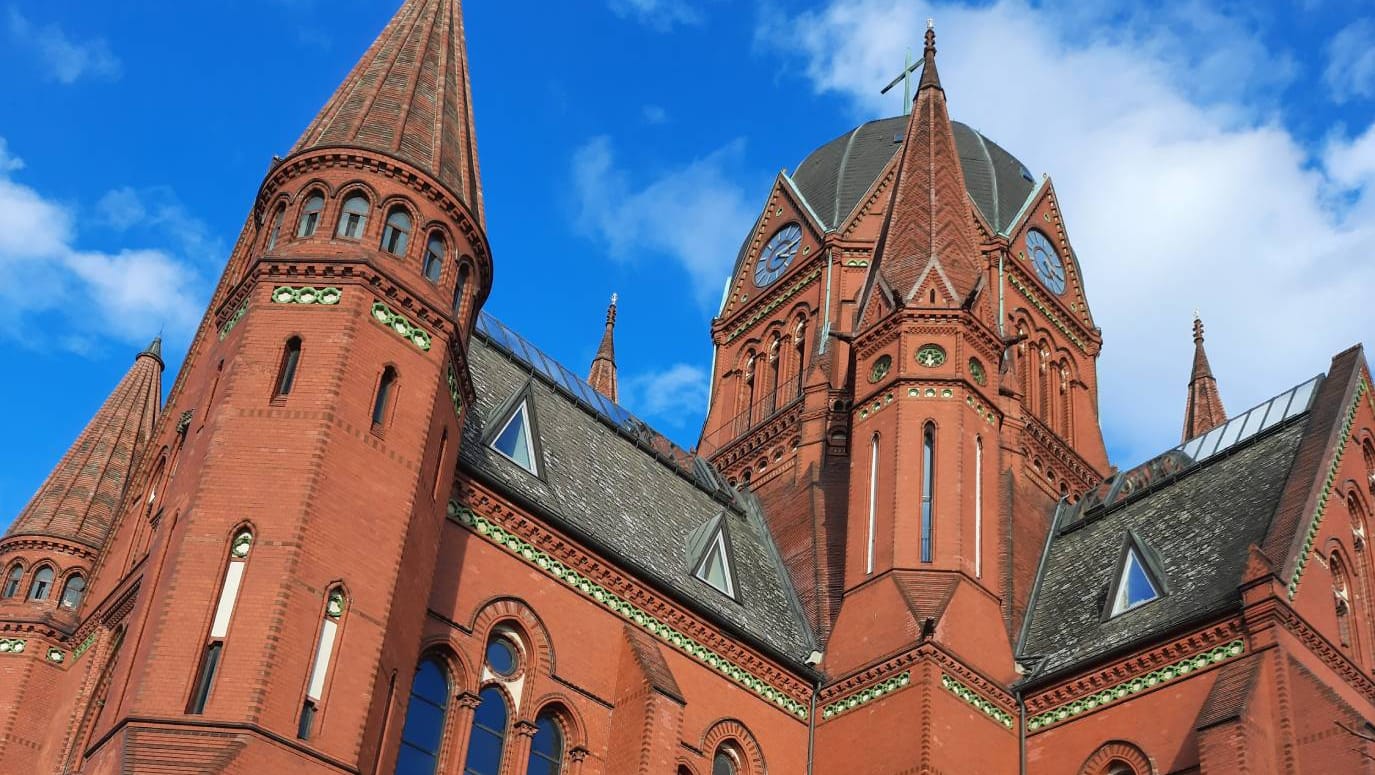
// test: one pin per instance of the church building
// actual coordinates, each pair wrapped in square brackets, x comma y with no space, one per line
[375,530]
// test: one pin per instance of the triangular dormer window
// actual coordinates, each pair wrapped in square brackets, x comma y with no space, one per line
[1137,581]
[516,439]
[714,565]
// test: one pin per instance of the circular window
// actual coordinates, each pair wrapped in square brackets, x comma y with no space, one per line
[502,656]
[976,370]
[931,355]
[881,368]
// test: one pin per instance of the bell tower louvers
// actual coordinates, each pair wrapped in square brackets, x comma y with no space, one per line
[281,583]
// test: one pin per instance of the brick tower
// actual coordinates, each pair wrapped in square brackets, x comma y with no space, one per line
[279,565]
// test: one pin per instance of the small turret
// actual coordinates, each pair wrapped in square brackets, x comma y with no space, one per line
[1203,411]
[602,376]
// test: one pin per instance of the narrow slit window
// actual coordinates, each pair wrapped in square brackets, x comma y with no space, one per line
[434,257]
[354,218]
[460,290]
[928,473]
[978,507]
[286,373]
[873,506]
[13,580]
[239,548]
[310,216]
[319,668]
[1135,587]
[386,385]
[73,591]
[397,234]
[516,441]
[714,567]
[276,231]
[439,463]
[42,584]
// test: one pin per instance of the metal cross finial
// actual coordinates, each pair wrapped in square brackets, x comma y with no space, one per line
[905,78]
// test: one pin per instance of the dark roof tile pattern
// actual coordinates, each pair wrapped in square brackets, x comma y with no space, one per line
[1200,526]
[1230,692]
[630,506]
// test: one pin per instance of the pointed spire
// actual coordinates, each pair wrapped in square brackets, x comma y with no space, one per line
[409,97]
[929,76]
[154,348]
[1203,411]
[602,376]
[931,216]
[79,498]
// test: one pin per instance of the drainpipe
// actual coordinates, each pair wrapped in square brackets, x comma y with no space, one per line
[1021,731]
[1001,313]
[826,329]
[811,725]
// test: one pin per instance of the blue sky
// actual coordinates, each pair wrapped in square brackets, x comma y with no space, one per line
[1210,156]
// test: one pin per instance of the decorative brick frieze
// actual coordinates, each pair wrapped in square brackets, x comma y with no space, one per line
[306,294]
[1047,310]
[773,303]
[1141,683]
[981,703]
[1329,483]
[618,594]
[866,696]
[401,326]
[233,319]
[12,645]
[1048,445]
[895,674]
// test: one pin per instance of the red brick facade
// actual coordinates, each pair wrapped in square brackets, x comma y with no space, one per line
[912,400]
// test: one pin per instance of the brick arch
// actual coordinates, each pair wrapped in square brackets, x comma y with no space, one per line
[561,708]
[1117,752]
[523,619]
[446,649]
[733,731]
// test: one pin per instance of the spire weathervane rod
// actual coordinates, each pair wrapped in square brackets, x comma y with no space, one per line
[905,77]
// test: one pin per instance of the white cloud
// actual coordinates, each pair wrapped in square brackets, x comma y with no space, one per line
[1180,187]
[1350,69]
[658,14]
[694,213]
[654,114]
[52,284]
[9,163]
[674,395]
[65,60]
[156,210]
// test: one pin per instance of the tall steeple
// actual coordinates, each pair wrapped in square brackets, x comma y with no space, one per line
[409,97]
[602,376]
[78,500]
[1203,411]
[931,222]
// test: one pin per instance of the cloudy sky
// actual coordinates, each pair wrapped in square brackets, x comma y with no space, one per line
[1209,156]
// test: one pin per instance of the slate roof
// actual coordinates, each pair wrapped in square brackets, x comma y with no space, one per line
[834,177]
[602,486]
[1200,526]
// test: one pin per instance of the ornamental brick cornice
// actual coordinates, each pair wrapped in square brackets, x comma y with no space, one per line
[1044,442]
[730,327]
[1086,339]
[42,544]
[1137,665]
[495,519]
[1274,610]
[748,445]
[896,673]
[315,160]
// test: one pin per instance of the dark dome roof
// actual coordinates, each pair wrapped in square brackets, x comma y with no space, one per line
[834,177]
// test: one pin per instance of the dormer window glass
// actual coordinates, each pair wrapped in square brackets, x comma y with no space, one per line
[1135,587]
[714,567]
[310,216]
[354,219]
[516,442]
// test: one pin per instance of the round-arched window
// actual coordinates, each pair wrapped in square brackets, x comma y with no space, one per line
[354,219]
[74,591]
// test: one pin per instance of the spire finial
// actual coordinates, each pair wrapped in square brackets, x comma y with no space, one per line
[929,77]
[602,376]
[611,311]
[1198,328]
[154,347]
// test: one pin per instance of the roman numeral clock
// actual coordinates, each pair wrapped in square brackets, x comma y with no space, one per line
[777,255]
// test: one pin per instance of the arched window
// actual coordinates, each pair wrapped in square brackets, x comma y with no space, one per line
[286,371]
[239,548]
[310,215]
[489,734]
[354,218]
[335,602]
[424,729]
[774,359]
[725,762]
[74,590]
[1344,602]
[750,394]
[42,583]
[397,234]
[928,476]
[461,290]
[799,354]
[873,505]
[434,259]
[978,507]
[386,385]
[546,749]
[275,232]
[16,575]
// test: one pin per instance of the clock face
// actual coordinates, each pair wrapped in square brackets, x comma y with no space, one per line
[1047,262]
[777,255]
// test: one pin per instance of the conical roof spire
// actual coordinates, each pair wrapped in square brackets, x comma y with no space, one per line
[931,218]
[79,499]
[154,348]
[1203,411]
[602,376]
[409,98]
